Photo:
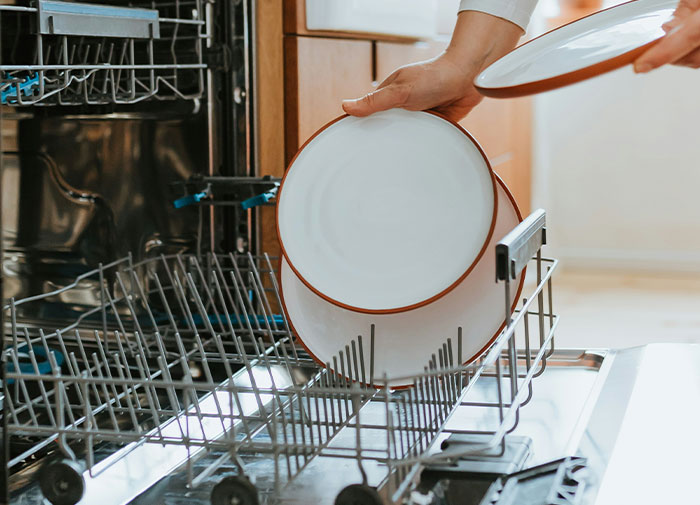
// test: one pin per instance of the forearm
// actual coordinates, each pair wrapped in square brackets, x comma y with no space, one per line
[479,39]
[445,84]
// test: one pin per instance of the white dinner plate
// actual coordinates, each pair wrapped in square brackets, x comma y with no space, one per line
[404,342]
[587,47]
[386,213]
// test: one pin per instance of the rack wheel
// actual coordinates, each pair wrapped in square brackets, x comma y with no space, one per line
[62,482]
[358,494]
[235,490]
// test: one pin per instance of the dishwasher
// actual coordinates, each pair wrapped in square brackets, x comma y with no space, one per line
[146,357]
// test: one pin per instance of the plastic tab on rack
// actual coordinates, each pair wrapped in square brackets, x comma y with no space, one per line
[26,363]
[560,482]
[10,92]
[258,200]
[190,199]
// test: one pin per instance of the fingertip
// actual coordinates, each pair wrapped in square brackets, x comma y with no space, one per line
[642,67]
[347,106]
[646,62]
[352,107]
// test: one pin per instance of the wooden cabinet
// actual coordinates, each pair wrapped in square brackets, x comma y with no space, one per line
[392,55]
[319,74]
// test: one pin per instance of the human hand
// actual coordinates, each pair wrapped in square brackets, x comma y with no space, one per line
[440,84]
[681,45]
[444,84]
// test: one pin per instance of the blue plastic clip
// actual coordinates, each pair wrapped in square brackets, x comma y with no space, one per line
[259,199]
[43,363]
[26,87]
[190,199]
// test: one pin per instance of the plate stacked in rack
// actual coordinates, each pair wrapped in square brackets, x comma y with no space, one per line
[390,221]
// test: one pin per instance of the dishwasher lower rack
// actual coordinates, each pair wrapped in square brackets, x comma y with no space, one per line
[184,364]
[69,53]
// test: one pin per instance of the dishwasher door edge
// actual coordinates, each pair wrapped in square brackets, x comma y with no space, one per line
[641,438]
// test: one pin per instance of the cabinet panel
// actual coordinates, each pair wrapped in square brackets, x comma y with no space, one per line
[520,180]
[269,102]
[392,55]
[490,124]
[319,74]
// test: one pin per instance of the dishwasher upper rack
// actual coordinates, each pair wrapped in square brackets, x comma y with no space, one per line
[265,407]
[66,53]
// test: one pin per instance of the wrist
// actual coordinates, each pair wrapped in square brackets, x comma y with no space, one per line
[479,39]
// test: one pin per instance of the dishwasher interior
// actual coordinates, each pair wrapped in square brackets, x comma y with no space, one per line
[146,355]
[184,368]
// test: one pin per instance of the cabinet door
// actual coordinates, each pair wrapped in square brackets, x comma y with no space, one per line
[502,127]
[391,55]
[319,74]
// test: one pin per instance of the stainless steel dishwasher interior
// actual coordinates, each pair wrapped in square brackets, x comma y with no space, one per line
[139,373]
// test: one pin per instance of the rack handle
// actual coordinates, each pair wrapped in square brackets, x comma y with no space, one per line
[517,248]
[57,17]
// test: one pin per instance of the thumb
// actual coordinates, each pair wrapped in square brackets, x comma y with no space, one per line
[381,99]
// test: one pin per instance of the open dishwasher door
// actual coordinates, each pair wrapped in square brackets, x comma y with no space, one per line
[641,439]
[603,427]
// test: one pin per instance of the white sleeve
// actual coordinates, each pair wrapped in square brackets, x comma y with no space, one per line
[515,11]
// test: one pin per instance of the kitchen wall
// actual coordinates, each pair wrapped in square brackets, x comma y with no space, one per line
[617,166]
